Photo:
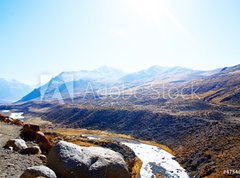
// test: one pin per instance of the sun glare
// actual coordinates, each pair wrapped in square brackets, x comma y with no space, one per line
[150,9]
[157,13]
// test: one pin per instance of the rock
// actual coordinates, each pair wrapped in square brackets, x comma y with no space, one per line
[174,158]
[2,117]
[9,164]
[40,134]
[31,127]
[43,158]
[44,143]
[70,160]
[16,144]
[17,122]
[38,171]
[29,132]
[32,132]
[8,120]
[31,150]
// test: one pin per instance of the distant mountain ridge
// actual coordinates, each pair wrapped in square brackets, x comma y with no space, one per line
[102,73]
[12,90]
[223,86]
[71,84]
[75,82]
[166,74]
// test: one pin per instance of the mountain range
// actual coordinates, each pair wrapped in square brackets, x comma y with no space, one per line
[12,90]
[103,79]
[221,85]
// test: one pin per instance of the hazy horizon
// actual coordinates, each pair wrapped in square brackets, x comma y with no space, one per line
[50,75]
[38,37]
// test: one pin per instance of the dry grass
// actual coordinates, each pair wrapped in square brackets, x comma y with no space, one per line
[158,176]
[81,143]
[108,136]
[136,168]
[37,121]
[72,132]
[218,175]
[39,110]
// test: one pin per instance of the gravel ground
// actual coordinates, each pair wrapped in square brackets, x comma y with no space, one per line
[12,164]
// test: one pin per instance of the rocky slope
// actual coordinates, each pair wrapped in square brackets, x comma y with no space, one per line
[26,159]
[222,87]
[12,164]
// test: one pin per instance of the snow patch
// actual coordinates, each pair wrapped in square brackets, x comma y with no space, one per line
[17,115]
[92,138]
[156,160]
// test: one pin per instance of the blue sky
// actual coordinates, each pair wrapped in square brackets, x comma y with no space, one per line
[38,37]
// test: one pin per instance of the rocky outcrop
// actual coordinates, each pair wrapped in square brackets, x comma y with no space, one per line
[32,132]
[9,120]
[16,144]
[70,160]
[38,171]
[29,132]
[17,122]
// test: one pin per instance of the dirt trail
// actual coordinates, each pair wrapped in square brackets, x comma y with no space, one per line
[8,132]
[12,164]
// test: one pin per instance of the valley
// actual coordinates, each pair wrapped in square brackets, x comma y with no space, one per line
[135,153]
[196,119]
[205,139]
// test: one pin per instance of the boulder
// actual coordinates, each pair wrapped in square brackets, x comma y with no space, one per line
[8,120]
[16,144]
[31,150]
[38,171]
[70,160]
[43,158]
[31,127]
[44,143]
[29,132]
